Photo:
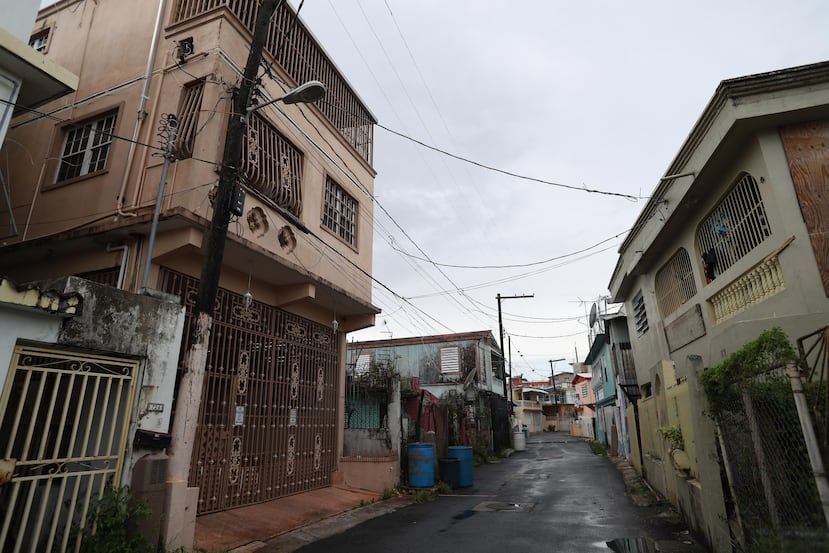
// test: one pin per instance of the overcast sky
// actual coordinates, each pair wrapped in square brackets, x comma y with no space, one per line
[596,95]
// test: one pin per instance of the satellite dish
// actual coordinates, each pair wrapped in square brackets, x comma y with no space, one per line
[593,314]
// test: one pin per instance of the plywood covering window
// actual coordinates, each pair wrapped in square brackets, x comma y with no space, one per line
[736,226]
[339,213]
[675,283]
[188,119]
[272,165]
[450,359]
[640,316]
[86,147]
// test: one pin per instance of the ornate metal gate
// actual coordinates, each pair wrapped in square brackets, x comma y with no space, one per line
[63,428]
[268,416]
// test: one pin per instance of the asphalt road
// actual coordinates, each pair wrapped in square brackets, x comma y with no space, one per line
[557,496]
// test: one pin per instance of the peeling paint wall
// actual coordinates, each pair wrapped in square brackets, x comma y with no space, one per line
[117,322]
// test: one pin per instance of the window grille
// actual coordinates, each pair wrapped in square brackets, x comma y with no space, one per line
[450,359]
[675,283]
[272,165]
[188,119]
[40,41]
[736,226]
[640,316]
[584,390]
[339,213]
[86,147]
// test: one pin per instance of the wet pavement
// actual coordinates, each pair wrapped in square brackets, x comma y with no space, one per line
[556,496]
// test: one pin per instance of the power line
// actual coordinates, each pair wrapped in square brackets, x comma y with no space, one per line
[518,265]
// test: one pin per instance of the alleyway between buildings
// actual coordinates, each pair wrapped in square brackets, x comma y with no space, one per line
[556,496]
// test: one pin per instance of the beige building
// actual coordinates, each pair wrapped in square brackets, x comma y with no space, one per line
[83,175]
[732,242]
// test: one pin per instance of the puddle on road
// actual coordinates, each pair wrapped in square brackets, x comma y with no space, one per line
[633,545]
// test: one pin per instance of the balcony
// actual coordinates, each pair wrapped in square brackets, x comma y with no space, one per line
[302,59]
[754,286]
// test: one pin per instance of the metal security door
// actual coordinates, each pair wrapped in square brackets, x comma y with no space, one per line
[267,420]
[64,418]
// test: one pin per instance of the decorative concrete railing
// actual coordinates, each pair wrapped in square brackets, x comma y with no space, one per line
[758,284]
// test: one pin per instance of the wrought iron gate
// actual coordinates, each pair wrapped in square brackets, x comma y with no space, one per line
[64,418]
[268,415]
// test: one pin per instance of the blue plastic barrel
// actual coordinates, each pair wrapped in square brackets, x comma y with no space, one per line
[463,453]
[421,465]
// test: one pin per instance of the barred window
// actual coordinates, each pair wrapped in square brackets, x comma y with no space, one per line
[188,119]
[736,226]
[272,165]
[40,41]
[86,147]
[640,316]
[675,283]
[339,214]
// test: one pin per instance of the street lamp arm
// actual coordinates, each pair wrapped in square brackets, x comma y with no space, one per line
[303,94]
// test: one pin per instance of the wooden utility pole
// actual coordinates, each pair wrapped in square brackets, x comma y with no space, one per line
[231,161]
[192,381]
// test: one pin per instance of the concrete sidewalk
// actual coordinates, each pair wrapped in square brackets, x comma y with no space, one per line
[247,529]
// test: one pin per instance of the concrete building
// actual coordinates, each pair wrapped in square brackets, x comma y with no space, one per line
[731,243]
[84,175]
[464,371]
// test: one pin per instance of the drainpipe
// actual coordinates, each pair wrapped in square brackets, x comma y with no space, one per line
[148,72]
[125,250]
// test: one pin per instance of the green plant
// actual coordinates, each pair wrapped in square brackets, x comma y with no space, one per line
[113,524]
[673,434]
[771,350]
[388,493]
[444,488]
[597,447]
[422,496]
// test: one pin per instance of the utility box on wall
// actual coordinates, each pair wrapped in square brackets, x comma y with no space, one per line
[149,485]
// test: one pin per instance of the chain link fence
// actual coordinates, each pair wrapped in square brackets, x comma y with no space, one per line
[770,478]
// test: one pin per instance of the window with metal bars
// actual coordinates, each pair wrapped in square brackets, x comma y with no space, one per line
[86,147]
[188,119]
[272,165]
[736,226]
[40,41]
[675,283]
[339,212]
[640,316]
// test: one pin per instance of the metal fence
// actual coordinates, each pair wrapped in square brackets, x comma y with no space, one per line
[770,478]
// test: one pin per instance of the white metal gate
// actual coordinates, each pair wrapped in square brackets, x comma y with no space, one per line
[64,418]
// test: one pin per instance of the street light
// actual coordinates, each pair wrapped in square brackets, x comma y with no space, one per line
[305,93]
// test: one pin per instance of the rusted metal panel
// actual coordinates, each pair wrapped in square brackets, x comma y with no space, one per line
[268,416]
[807,149]
[685,329]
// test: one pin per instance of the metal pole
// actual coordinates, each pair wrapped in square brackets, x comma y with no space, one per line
[501,345]
[499,297]
[168,130]
[809,437]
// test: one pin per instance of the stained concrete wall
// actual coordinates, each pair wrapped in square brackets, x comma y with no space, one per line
[121,323]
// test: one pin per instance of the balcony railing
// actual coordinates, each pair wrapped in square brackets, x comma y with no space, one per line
[758,284]
[293,48]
